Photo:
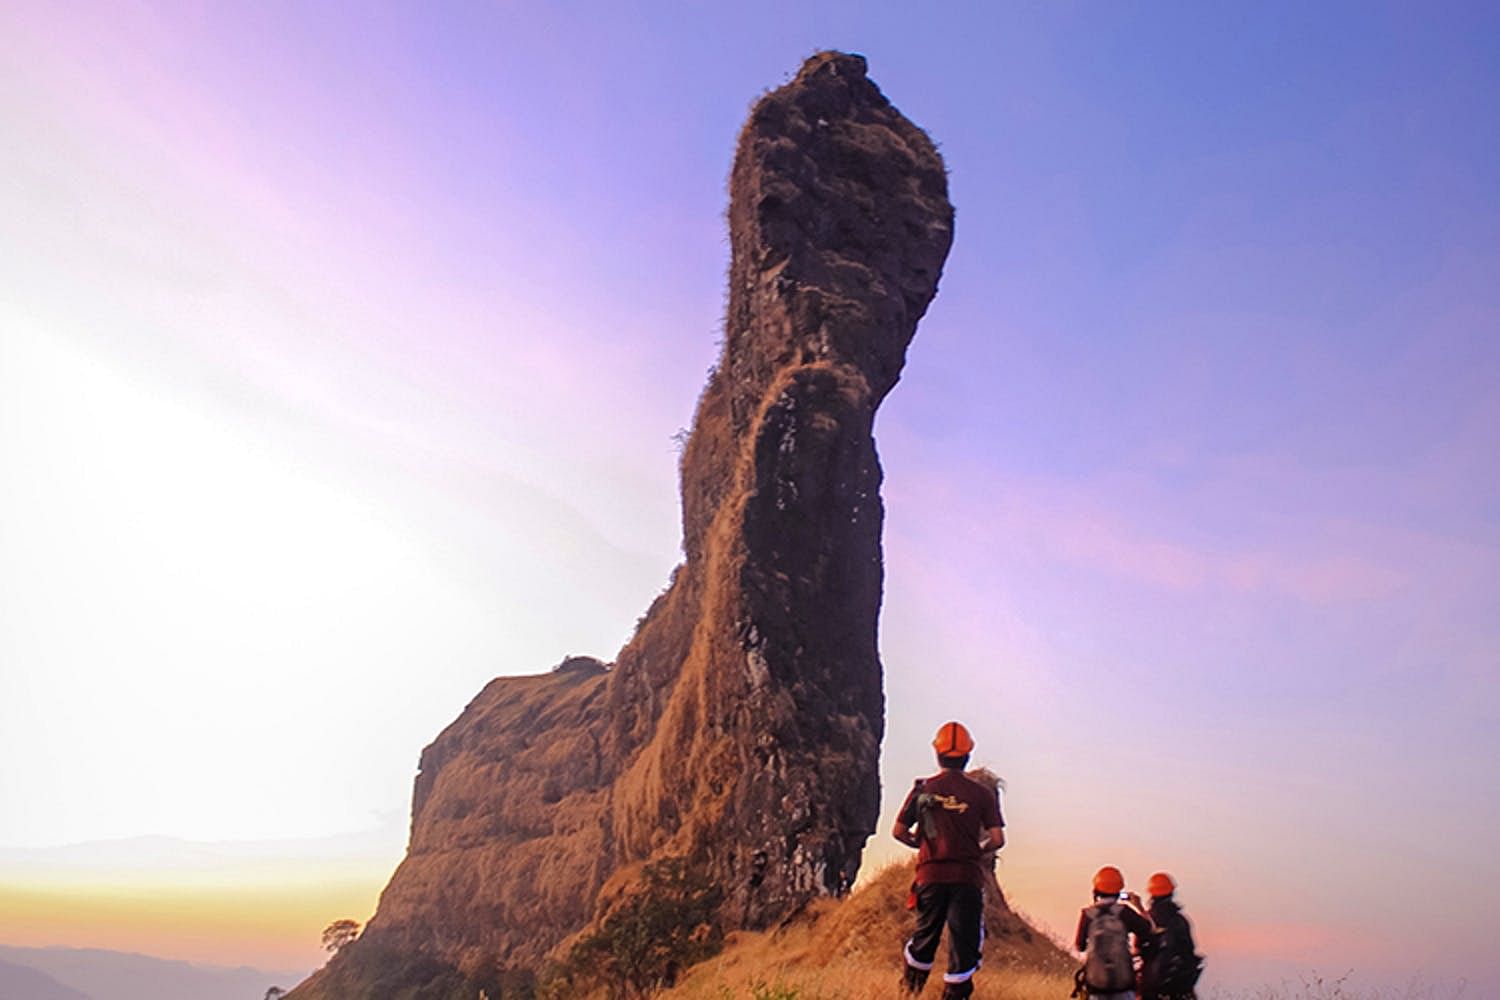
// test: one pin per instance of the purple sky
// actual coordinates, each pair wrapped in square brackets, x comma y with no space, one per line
[341,354]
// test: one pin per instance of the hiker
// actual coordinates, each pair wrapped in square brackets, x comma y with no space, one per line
[1174,967]
[951,820]
[1104,933]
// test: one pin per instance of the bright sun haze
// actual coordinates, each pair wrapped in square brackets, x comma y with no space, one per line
[341,356]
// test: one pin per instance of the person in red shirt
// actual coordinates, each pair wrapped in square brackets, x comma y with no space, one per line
[951,820]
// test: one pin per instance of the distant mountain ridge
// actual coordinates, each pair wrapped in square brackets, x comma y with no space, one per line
[21,982]
[97,974]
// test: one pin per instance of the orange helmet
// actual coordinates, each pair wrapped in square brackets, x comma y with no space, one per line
[1160,884]
[953,740]
[1109,881]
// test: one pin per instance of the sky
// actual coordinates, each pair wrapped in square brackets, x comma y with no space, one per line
[342,350]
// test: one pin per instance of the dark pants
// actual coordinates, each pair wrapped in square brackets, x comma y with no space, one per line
[961,907]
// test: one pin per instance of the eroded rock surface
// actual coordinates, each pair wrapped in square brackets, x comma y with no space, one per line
[740,727]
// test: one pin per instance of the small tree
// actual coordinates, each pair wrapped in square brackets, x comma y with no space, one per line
[669,923]
[275,993]
[339,933]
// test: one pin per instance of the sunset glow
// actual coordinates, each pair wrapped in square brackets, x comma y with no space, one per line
[340,365]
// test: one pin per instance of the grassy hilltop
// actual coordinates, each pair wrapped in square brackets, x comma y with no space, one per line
[850,949]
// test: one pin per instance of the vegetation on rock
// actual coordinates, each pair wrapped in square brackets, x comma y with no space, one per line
[740,726]
[669,924]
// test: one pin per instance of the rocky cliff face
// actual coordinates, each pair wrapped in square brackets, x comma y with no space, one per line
[739,729]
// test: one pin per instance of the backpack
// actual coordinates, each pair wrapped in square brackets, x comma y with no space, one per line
[1180,965]
[1107,965]
[926,821]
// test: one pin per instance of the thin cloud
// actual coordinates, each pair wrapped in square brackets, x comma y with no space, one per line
[1069,523]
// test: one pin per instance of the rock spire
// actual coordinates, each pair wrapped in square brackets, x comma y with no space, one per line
[739,729]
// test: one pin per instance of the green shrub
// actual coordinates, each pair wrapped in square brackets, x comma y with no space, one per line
[669,923]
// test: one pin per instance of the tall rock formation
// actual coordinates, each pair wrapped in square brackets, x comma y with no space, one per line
[739,729]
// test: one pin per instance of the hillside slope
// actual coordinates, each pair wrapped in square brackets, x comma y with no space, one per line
[21,982]
[850,949]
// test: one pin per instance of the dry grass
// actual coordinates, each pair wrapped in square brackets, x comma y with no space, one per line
[851,950]
[848,980]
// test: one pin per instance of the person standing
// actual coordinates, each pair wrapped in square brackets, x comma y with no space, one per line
[1104,933]
[951,820]
[1172,971]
